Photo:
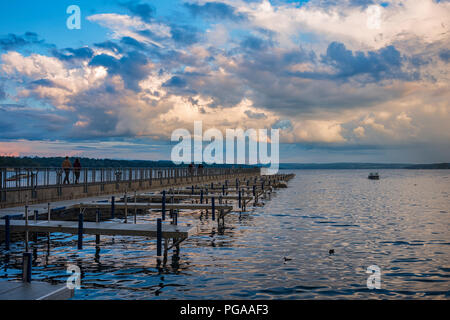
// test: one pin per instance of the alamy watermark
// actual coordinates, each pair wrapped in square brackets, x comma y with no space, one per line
[74,20]
[374,280]
[190,147]
[74,280]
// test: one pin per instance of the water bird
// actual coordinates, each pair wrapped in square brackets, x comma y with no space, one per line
[374,176]
[331,251]
[287,259]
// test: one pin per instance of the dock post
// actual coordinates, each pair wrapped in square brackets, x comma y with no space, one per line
[163,206]
[240,199]
[7,232]
[48,211]
[213,208]
[126,207]
[97,219]
[26,267]
[80,230]
[158,237]
[35,221]
[135,207]
[112,207]
[201,196]
[26,229]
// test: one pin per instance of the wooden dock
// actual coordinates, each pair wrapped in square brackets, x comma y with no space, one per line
[179,196]
[156,206]
[101,228]
[15,290]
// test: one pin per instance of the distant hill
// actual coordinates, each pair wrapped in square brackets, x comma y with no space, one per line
[356,165]
[52,162]
[111,163]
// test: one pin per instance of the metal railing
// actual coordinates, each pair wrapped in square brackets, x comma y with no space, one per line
[32,178]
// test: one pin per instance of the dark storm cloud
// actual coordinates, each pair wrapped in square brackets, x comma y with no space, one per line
[109,45]
[184,34]
[131,42]
[215,10]
[13,41]
[381,64]
[175,82]
[143,10]
[68,54]
[42,123]
[132,67]
[445,55]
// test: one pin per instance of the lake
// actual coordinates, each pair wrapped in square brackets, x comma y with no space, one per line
[399,223]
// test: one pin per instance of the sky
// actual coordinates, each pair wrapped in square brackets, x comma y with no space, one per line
[343,81]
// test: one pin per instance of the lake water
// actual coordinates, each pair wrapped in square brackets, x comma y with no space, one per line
[281,250]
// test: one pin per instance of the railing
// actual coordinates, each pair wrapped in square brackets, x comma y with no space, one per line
[32,178]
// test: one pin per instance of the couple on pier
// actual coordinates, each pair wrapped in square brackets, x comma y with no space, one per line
[66,165]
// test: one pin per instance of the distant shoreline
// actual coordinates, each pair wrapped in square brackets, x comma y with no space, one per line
[105,163]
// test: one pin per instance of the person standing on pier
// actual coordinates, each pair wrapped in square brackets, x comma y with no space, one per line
[66,165]
[77,169]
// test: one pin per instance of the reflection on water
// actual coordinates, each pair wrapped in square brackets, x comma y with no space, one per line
[281,250]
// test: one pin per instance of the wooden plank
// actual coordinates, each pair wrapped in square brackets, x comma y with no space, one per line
[101,228]
[13,290]
[121,205]
[188,197]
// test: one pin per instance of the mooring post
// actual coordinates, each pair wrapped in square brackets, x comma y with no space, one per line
[163,206]
[97,219]
[48,211]
[240,199]
[80,230]
[135,207]
[158,236]
[213,208]
[26,228]
[126,207]
[35,221]
[112,206]
[7,231]
[26,267]
[201,196]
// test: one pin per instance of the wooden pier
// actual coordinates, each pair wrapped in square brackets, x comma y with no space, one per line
[218,197]
[15,290]
[101,228]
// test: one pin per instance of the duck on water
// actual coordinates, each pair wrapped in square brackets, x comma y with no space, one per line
[374,176]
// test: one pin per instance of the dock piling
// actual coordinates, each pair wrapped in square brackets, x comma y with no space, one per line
[213,209]
[112,207]
[7,232]
[97,219]
[26,267]
[158,236]
[80,230]
[163,206]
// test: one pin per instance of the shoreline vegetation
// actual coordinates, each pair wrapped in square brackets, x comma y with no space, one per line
[105,163]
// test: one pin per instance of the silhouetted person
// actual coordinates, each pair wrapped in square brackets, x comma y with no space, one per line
[66,165]
[200,169]
[191,169]
[77,169]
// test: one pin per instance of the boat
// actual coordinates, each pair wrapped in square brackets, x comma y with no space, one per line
[374,176]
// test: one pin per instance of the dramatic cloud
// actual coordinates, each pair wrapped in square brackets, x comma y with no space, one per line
[336,75]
